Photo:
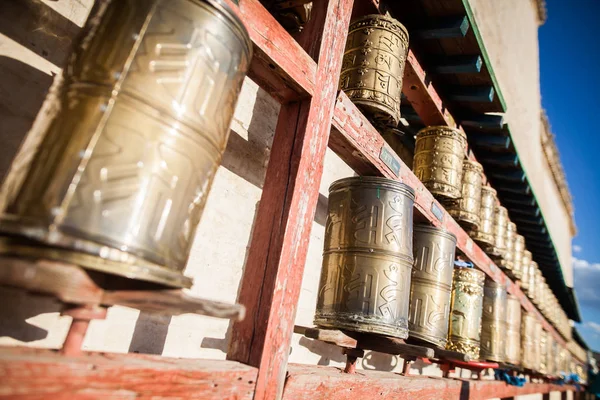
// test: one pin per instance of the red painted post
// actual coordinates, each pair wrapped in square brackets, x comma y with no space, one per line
[273,273]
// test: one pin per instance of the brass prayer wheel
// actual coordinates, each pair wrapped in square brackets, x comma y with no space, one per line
[137,130]
[431,284]
[373,67]
[493,323]
[525,271]
[292,15]
[367,257]
[394,137]
[539,280]
[527,341]
[543,351]
[518,249]
[532,280]
[438,161]
[505,261]
[484,233]
[550,355]
[500,227]
[466,211]
[466,306]
[513,330]
[537,346]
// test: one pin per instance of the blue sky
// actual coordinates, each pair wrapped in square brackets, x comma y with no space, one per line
[570,81]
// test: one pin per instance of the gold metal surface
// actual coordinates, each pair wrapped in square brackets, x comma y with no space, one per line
[136,131]
[373,67]
[550,355]
[438,161]
[537,346]
[513,330]
[484,233]
[466,308]
[394,137]
[527,341]
[493,323]
[466,211]
[526,268]
[431,283]
[500,227]
[367,257]
[506,260]
[539,281]
[518,249]
[533,271]
[291,14]
[543,344]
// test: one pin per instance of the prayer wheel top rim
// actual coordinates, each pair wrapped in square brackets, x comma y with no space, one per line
[489,189]
[432,229]
[234,19]
[435,129]
[372,181]
[381,17]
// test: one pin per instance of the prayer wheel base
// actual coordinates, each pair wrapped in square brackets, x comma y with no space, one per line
[468,347]
[131,267]
[355,323]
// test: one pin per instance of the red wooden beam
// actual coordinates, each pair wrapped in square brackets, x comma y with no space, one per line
[356,141]
[327,383]
[44,374]
[273,273]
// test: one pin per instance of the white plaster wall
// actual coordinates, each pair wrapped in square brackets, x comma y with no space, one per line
[510,32]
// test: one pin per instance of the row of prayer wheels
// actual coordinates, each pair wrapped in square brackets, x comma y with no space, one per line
[384,275]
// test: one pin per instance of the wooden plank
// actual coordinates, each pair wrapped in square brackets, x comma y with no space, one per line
[44,374]
[393,346]
[332,336]
[273,273]
[457,65]
[442,354]
[472,94]
[362,141]
[326,383]
[451,27]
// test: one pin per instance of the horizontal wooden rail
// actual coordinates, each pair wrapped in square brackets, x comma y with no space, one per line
[329,383]
[359,144]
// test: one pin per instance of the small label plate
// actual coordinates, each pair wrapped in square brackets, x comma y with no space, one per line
[390,159]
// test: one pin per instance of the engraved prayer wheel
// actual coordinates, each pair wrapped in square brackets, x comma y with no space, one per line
[400,144]
[136,132]
[550,355]
[484,233]
[431,284]
[367,257]
[493,323]
[527,341]
[513,330]
[373,67]
[543,351]
[518,249]
[525,271]
[537,346]
[539,281]
[292,15]
[438,161]
[466,211]
[466,306]
[505,261]
[532,280]
[500,227]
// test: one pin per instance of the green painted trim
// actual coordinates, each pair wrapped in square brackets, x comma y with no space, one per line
[484,53]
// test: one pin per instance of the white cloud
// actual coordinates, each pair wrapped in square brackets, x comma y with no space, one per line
[577,249]
[593,326]
[587,277]
[583,264]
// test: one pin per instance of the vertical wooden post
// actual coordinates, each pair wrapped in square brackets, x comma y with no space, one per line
[273,273]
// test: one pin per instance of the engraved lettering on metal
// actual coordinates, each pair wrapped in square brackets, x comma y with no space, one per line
[390,159]
[493,324]
[505,261]
[518,251]
[437,211]
[373,67]
[532,280]
[400,144]
[367,257]
[438,161]
[537,346]
[484,233]
[527,341]
[525,271]
[466,308]
[431,284]
[539,279]
[543,344]
[139,125]
[467,210]
[513,330]
[500,227]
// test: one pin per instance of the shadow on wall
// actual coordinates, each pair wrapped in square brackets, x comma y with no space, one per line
[327,352]
[150,333]
[379,361]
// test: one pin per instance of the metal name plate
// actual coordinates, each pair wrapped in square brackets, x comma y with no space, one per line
[437,211]
[390,159]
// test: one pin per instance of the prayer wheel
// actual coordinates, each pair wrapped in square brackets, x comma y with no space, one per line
[533,272]
[493,324]
[543,351]
[513,330]
[550,355]
[537,346]
[438,161]
[116,177]
[367,257]
[466,211]
[484,233]
[518,250]
[373,67]
[525,271]
[431,284]
[500,227]
[527,341]
[292,15]
[505,261]
[539,282]
[466,306]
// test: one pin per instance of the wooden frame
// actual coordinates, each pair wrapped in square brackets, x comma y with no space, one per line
[313,116]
